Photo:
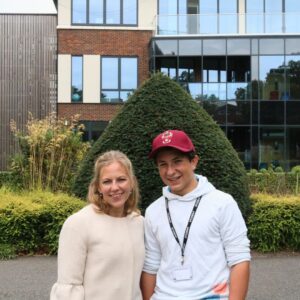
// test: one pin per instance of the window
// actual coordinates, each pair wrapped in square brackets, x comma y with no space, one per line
[119,77]
[104,12]
[76,90]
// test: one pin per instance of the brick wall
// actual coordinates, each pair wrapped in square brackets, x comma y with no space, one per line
[89,111]
[108,42]
[103,42]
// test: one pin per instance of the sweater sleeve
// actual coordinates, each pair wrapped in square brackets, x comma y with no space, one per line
[71,259]
[153,253]
[234,234]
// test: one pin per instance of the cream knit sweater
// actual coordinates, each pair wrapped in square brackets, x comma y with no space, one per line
[99,257]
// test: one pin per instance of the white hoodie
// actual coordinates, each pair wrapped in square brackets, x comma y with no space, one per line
[217,240]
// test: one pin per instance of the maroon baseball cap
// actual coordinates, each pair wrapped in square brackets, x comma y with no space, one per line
[176,139]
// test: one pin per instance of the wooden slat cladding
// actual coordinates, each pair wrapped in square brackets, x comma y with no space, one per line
[28,73]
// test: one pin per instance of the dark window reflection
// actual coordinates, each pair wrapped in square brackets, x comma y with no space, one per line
[293,147]
[238,69]
[255,112]
[77,78]
[189,69]
[238,112]
[214,69]
[216,109]
[167,65]
[93,129]
[271,112]
[271,147]
[240,140]
[254,147]
[293,113]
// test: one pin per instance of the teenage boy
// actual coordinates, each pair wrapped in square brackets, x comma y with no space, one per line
[196,239]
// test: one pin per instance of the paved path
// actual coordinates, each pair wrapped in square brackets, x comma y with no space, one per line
[273,277]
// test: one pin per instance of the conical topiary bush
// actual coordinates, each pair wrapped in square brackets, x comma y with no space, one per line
[161,104]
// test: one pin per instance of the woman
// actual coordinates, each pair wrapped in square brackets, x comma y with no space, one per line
[101,247]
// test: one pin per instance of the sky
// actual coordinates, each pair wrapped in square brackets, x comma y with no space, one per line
[27,7]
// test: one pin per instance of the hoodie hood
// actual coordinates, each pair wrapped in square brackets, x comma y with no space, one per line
[203,187]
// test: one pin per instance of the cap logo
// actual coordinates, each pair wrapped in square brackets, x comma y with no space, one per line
[166,137]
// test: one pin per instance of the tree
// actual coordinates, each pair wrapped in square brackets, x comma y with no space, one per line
[161,104]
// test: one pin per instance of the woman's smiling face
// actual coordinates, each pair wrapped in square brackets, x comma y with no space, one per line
[115,185]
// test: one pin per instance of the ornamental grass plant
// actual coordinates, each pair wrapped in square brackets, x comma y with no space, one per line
[50,151]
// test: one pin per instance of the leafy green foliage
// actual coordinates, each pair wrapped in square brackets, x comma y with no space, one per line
[31,221]
[161,104]
[7,251]
[274,223]
[274,181]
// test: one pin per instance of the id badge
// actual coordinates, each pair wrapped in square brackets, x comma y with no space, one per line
[182,273]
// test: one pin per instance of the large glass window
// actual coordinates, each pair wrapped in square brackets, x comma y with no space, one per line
[167,65]
[254,16]
[96,12]
[240,140]
[79,11]
[228,16]
[77,77]
[119,77]
[271,147]
[293,147]
[292,78]
[189,75]
[104,12]
[113,12]
[271,74]
[292,13]
[273,16]
[216,109]
[208,16]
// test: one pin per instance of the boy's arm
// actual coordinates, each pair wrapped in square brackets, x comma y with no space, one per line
[148,282]
[239,280]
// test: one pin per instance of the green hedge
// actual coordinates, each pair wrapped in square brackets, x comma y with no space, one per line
[31,221]
[274,223]
[270,182]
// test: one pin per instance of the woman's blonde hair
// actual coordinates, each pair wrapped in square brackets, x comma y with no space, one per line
[96,198]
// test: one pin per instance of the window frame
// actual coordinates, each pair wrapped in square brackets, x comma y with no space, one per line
[104,23]
[119,89]
[82,65]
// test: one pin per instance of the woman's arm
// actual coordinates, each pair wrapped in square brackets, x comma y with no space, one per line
[71,260]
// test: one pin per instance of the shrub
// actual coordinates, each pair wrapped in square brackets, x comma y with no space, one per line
[273,182]
[7,251]
[50,152]
[6,178]
[161,104]
[274,223]
[31,221]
